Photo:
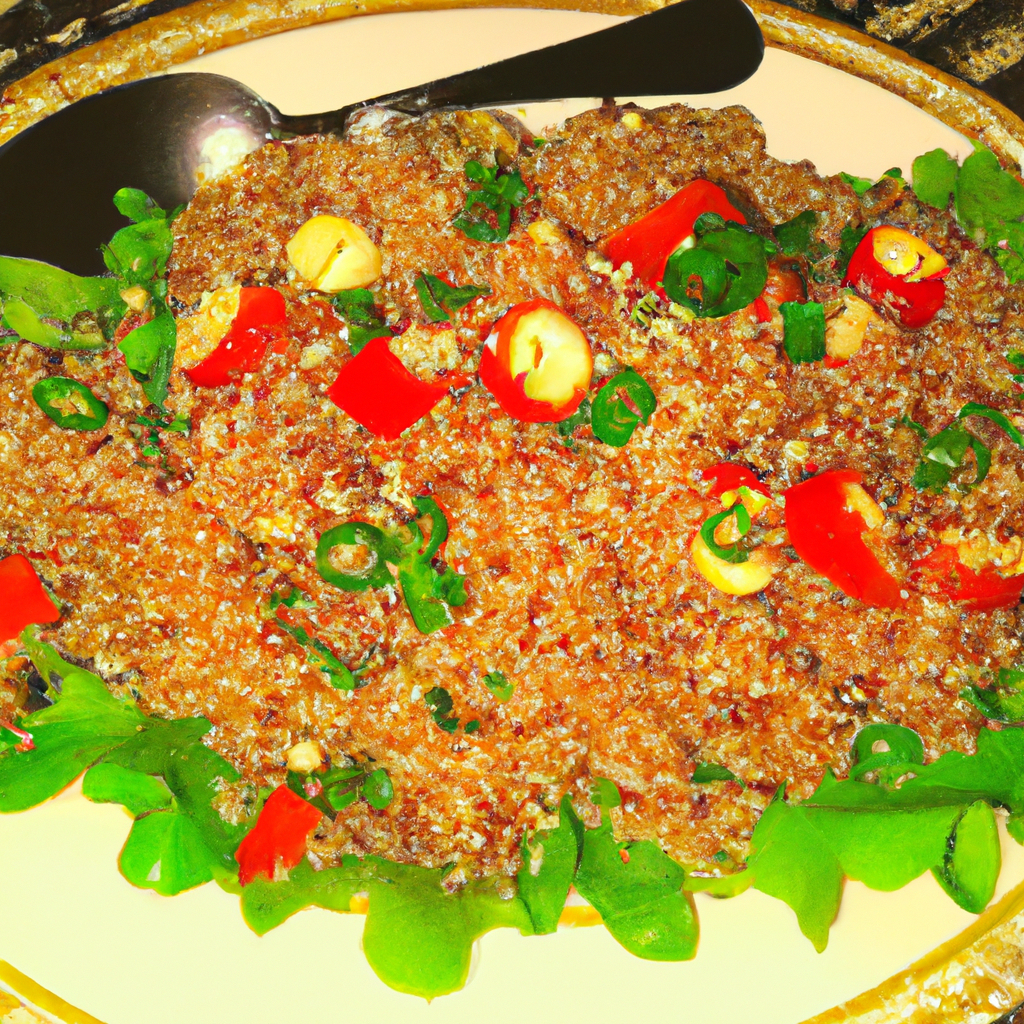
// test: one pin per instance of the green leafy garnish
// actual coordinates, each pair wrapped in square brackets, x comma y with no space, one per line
[439,700]
[707,771]
[70,404]
[429,591]
[934,175]
[796,237]
[441,300]
[149,430]
[357,308]
[803,331]
[723,272]
[550,858]
[943,454]
[318,654]
[138,253]
[861,185]
[1003,702]
[621,406]
[849,238]
[733,553]
[498,684]
[498,193]
[645,308]
[149,353]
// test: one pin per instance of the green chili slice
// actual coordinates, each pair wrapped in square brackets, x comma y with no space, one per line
[70,404]
[620,406]
[734,553]
[374,574]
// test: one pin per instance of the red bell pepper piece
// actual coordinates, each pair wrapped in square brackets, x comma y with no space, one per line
[916,294]
[942,572]
[22,598]
[648,242]
[242,349]
[827,535]
[537,363]
[728,476]
[278,839]
[377,391]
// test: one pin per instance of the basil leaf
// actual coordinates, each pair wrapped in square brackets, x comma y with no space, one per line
[497,682]
[57,396]
[550,858]
[377,789]
[419,938]
[356,307]
[970,868]
[900,750]
[707,771]
[500,195]
[374,574]
[638,891]
[149,353]
[620,406]
[803,331]
[1004,702]
[934,175]
[441,300]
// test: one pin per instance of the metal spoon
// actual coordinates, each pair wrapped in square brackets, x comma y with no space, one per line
[58,177]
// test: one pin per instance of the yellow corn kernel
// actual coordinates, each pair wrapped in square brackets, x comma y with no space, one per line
[333,254]
[631,119]
[844,334]
[543,232]
[856,499]
[305,757]
[743,578]
[905,255]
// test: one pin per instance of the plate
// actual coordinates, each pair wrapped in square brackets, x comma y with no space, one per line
[132,957]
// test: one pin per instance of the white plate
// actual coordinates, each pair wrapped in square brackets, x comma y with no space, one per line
[132,957]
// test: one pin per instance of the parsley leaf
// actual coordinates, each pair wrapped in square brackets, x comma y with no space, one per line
[498,193]
[357,308]
[803,331]
[441,300]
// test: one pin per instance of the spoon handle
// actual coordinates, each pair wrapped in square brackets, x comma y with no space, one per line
[694,46]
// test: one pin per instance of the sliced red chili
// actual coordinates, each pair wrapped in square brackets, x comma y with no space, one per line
[828,536]
[242,350]
[647,243]
[278,839]
[23,600]
[942,572]
[377,391]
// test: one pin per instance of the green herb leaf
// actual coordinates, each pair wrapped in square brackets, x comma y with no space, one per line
[638,891]
[970,868]
[499,194]
[803,331]
[550,857]
[58,396]
[134,204]
[620,406]
[1004,702]
[149,353]
[439,700]
[934,175]
[377,789]
[796,237]
[707,771]
[112,784]
[441,300]
[733,554]
[724,272]
[849,238]
[497,682]
[580,418]
[357,308]
[858,184]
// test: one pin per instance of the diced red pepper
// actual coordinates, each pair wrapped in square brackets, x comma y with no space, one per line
[647,243]
[23,600]
[915,294]
[942,572]
[827,535]
[728,476]
[278,839]
[243,348]
[377,391]
[537,363]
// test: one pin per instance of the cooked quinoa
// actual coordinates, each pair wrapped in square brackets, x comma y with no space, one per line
[626,663]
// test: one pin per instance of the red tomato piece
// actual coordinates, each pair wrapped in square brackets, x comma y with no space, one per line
[915,299]
[243,348]
[537,363]
[23,600]
[728,476]
[278,839]
[943,572]
[828,537]
[648,242]
[377,391]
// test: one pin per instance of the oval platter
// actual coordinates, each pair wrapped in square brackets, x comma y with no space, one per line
[131,957]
